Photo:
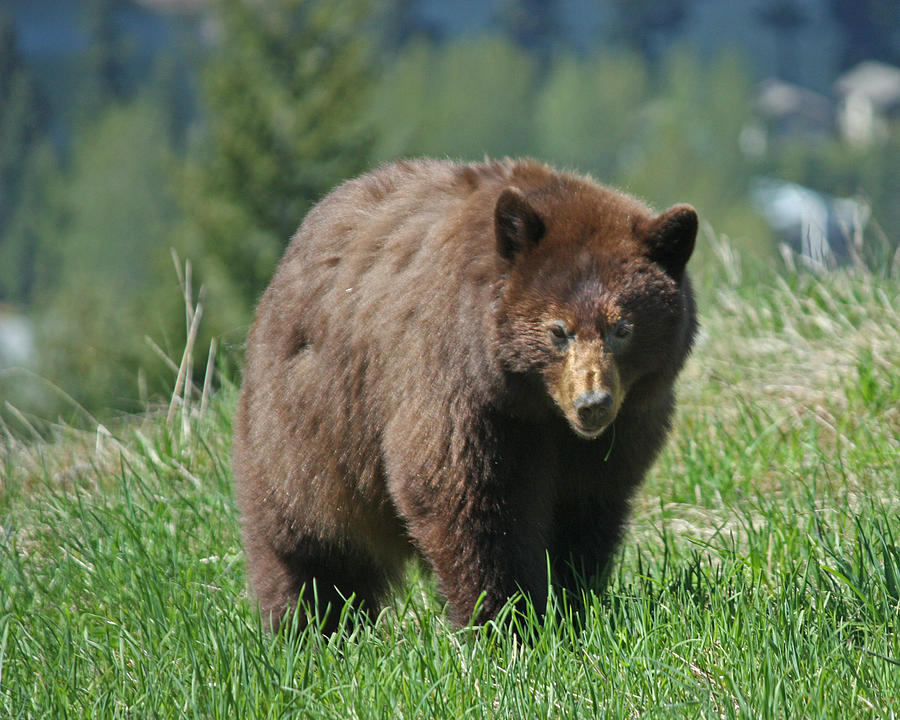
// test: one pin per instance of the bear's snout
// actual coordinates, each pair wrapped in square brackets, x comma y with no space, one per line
[594,409]
[589,391]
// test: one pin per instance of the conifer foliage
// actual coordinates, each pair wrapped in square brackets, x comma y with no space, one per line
[284,94]
[22,125]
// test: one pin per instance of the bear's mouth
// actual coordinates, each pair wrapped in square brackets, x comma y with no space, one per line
[589,432]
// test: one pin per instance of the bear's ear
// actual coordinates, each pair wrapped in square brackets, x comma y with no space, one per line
[516,224]
[670,239]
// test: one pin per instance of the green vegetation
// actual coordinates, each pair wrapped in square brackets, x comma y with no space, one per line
[285,93]
[218,147]
[761,574]
[22,157]
[760,578]
[113,189]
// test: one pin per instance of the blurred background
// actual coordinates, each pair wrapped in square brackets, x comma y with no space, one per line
[152,148]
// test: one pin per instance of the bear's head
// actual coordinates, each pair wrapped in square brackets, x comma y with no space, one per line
[594,301]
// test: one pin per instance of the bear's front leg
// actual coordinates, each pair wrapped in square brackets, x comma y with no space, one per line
[481,529]
[483,551]
[587,529]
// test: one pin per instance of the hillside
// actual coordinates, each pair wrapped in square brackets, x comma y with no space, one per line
[760,577]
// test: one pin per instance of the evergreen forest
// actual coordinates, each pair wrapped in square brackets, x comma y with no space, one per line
[143,185]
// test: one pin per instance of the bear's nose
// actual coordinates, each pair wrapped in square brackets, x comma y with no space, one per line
[593,408]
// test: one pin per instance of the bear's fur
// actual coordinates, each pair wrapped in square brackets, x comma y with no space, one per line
[469,363]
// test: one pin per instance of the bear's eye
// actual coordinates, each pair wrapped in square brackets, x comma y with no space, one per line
[559,334]
[623,329]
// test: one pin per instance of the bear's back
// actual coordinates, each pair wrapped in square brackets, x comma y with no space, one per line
[398,267]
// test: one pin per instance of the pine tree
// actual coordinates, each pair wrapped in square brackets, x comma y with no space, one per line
[784,18]
[106,278]
[568,127]
[105,58]
[22,123]
[284,95]
[869,30]
[646,26]
[533,25]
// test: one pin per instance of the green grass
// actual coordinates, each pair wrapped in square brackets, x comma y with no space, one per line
[760,577]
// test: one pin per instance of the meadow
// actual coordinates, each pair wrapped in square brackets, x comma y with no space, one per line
[760,576]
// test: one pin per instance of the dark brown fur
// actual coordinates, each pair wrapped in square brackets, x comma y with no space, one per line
[414,375]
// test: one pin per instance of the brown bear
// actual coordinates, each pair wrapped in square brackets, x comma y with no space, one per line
[472,363]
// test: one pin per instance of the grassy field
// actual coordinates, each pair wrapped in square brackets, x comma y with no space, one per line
[760,577]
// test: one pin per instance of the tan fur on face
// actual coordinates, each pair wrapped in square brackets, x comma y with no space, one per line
[588,367]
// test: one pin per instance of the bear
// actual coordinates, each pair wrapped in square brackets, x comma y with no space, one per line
[471,364]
